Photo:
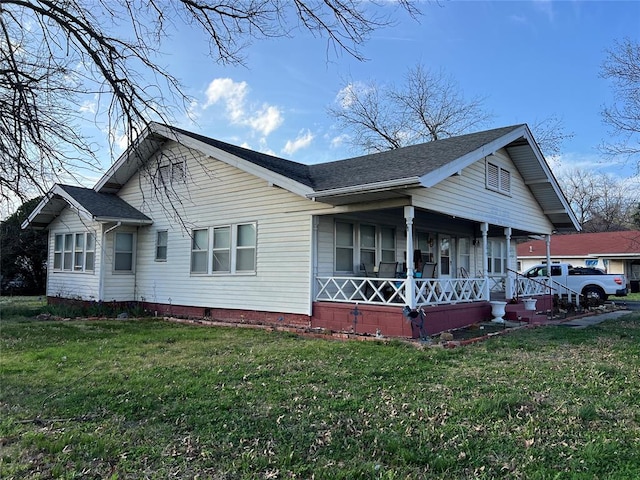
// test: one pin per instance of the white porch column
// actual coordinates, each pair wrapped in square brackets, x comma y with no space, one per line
[409,286]
[547,240]
[508,291]
[484,228]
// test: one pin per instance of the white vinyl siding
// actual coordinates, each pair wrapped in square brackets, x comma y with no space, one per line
[217,195]
[467,196]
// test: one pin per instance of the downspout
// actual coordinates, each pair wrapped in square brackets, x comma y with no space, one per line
[484,228]
[313,263]
[103,254]
[409,286]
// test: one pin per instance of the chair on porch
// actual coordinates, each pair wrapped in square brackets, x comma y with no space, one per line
[429,270]
[387,269]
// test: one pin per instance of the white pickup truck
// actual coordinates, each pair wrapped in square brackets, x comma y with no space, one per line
[592,283]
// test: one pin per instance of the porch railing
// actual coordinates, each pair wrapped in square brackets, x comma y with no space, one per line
[527,287]
[393,291]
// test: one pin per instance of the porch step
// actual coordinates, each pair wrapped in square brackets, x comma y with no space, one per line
[517,313]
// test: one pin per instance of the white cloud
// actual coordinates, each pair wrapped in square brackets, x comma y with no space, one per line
[233,95]
[265,120]
[339,141]
[302,141]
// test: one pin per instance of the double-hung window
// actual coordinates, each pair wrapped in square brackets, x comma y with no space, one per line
[224,249]
[74,252]
[344,247]
[368,245]
[497,256]
[199,250]
[161,245]
[363,244]
[123,252]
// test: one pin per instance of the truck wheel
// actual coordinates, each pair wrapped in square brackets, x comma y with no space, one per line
[594,293]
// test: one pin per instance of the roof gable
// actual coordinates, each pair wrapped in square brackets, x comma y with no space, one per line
[96,206]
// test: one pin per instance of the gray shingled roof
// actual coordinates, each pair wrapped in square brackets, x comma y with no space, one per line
[407,162]
[293,170]
[104,205]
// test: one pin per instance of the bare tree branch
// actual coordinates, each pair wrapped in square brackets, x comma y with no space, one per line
[622,67]
[61,61]
[602,203]
[429,106]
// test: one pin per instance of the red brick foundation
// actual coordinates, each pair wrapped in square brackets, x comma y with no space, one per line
[338,317]
[390,321]
[230,315]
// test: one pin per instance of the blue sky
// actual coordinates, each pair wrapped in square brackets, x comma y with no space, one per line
[530,59]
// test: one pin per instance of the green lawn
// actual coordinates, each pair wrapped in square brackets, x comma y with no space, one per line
[146,398]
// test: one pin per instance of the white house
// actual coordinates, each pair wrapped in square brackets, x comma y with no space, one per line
[188,225]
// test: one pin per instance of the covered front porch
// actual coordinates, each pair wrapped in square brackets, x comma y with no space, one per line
[469,264]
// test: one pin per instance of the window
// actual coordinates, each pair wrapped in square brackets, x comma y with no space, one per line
[224,249]
[246,248]
[199,251]
[388,244]
[171,173]
[464,256]
[74,252]
[498,178]
[497,256]
[374,243]
[78,262]
[123,252]
[57,255]
[368,245]
[424,243]
[344,247]
[68,251]
[161,246]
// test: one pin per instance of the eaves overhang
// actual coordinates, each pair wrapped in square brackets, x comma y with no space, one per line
[59,198]
[366,188]
[156,135]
